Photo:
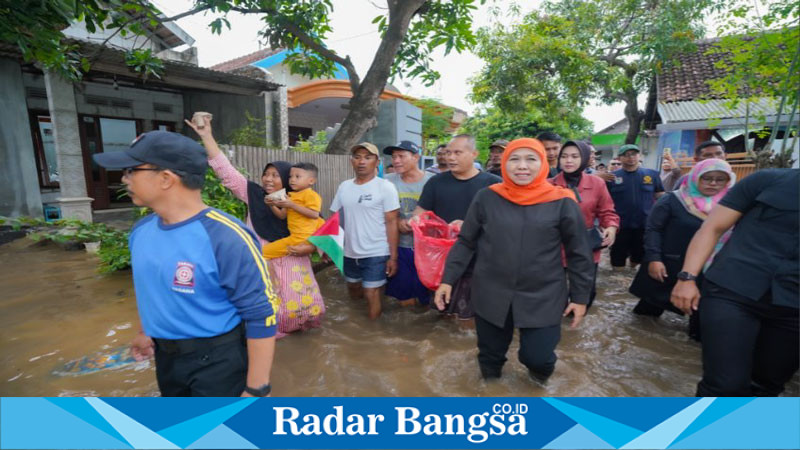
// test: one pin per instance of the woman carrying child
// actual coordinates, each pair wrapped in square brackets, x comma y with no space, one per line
[300,209]
[301,305]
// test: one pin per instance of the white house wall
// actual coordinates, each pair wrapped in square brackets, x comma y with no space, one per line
[19,183]
[123,102]
[282,75]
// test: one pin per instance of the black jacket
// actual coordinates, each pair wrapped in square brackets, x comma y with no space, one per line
[518,259]
[761,257]
[670,228]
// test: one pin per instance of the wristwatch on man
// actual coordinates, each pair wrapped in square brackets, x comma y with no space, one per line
[686,276]
[262,391]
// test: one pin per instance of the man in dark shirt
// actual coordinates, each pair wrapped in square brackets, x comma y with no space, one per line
[496,156]
[749,319]
[634,191]
[552,147]
[449,196]
[441,161]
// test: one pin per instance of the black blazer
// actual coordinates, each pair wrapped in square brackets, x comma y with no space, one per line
[667,234]
[518,265]
[761,259]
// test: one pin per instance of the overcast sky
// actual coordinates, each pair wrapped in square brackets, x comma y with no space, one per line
[354,34]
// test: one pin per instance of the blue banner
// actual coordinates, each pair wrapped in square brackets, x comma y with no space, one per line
[413,423]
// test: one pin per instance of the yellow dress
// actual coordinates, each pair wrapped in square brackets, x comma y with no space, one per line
[300,226]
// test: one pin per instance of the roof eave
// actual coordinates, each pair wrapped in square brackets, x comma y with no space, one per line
[178,32]
[176,75]
[696,112]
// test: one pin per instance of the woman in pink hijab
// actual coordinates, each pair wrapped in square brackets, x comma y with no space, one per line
[670,227]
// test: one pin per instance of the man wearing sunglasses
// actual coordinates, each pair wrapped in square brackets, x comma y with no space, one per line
[202,289]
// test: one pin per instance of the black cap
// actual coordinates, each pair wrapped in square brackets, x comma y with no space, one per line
[402,145]
[163,149]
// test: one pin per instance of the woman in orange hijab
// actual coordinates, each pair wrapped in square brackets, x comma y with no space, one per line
[515,231]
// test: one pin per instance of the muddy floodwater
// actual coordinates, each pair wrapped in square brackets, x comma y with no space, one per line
[55,308]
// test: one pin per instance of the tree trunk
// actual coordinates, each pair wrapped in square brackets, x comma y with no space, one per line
[651,108]
[786,93]
[364,104]
[633,115]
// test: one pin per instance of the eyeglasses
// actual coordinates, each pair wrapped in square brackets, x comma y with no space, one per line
[714,180]
[128,171]
[616,164]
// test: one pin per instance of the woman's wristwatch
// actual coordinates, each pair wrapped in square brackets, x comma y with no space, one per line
[263,391]
[686,276]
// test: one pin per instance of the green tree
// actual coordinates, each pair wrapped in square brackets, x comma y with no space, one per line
[314,144]
[493,124]
[759,55]
[36,27]
[253,133]
[410,31]
[572,51]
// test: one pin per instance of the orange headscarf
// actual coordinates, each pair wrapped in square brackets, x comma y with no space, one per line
[538,190]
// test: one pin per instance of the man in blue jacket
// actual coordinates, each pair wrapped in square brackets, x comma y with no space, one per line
[634,190]
[205,299]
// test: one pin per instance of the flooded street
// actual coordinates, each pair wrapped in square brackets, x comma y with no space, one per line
[55,308]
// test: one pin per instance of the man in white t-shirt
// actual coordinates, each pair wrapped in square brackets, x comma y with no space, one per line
[369,211]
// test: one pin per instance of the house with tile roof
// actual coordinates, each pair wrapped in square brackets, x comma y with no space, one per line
[53,126]
[684,111]
[690,112]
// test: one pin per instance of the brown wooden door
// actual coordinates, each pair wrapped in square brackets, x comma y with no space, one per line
[96,176]
[105,134]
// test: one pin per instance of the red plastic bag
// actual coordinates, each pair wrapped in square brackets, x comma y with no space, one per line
[433,239]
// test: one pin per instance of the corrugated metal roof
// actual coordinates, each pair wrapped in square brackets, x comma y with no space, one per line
[690,111]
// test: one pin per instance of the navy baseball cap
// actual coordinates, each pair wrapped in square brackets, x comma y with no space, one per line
[402,145]
[163,149]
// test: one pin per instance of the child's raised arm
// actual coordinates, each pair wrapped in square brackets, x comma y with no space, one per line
[279,212]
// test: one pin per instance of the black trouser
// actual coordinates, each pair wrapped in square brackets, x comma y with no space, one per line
[536,347]
[749,348]
[203,367]
[629,242]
